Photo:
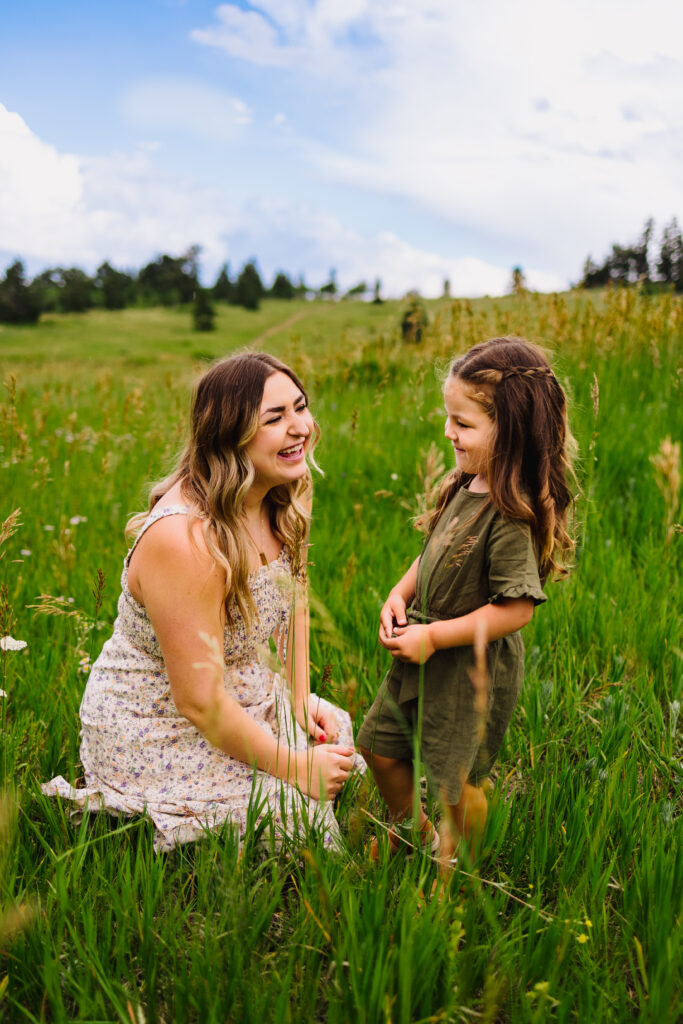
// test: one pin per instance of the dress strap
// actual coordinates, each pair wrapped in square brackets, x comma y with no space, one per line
[155,514]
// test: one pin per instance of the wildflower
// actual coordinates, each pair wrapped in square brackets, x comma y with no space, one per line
[25,552]
[2,693]
[394,476]
[84,665]
[582,938]
[588,923]
[8,643]
[48,527]
[75,520]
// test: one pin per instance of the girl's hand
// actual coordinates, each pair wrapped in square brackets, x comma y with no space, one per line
[323,770]
[393,614]
[319,721]
[411,643]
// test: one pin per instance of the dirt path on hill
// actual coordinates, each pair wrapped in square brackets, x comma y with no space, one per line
[282,326]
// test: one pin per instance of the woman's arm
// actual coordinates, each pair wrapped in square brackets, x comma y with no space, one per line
[182,591]
[318,721]
[394,608]
[417,643]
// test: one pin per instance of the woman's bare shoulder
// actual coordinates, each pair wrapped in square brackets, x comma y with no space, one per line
[168,550]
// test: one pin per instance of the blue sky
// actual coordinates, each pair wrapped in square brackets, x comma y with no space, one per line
[410,141]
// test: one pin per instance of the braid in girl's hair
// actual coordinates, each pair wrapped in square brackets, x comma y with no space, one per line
[530,460]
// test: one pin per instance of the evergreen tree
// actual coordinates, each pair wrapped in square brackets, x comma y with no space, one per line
[329,290]
[670,262]
[377,298]
[594,276]
[47,287]
[626,264]
[76,290]
[19,300]
[116,287]
[357,291]
[446,288]
[301,289]
[518,284]
[282,287]
[203,313]
[249,288]
[224,289]
[170,280]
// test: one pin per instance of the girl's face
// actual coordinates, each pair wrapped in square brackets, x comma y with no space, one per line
[278,449]
[469,429]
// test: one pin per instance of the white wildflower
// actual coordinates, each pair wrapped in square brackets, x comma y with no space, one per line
[8,643]
[2,693]
[25,552]
[49,527]
[75,520]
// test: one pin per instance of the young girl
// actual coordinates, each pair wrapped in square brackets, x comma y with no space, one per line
[498,531]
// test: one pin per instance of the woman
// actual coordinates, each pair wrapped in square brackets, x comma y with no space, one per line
[186,713]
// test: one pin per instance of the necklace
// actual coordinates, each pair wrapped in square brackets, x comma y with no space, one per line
[259,550]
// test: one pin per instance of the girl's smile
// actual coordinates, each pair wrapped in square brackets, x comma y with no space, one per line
[469,429]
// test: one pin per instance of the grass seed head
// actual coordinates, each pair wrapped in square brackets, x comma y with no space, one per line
[667,466]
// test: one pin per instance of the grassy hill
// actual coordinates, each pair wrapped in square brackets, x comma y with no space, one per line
[574,911]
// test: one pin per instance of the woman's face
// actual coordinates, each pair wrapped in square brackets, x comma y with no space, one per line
[278,449]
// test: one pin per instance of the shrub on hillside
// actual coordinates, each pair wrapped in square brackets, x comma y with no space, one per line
[414,320]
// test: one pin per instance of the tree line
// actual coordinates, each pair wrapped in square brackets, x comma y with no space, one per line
[174,280]
[166,281]
[641,262]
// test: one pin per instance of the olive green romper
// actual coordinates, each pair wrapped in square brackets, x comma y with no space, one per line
[474,556]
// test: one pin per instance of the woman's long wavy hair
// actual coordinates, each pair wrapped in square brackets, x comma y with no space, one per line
[529,464]
[215,473]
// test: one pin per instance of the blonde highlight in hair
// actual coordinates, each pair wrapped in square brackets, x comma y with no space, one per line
[530,460]
[215,474]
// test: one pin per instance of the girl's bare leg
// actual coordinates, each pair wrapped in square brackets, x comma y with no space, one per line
[395,782]
[464,820]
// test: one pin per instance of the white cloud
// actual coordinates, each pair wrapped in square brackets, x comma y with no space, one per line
[276,229]
[552,128]
[248,35]
[67,209]
[186,105]
[40,188]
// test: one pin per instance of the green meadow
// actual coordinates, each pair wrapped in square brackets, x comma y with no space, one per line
[573,912]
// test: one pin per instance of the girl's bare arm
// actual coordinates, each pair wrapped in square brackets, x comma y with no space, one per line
[394,608]
[417,643]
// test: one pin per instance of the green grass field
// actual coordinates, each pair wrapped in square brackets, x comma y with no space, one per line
[574,911]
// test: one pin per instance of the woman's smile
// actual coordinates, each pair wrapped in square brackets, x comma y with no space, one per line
[278,449]
[294,453]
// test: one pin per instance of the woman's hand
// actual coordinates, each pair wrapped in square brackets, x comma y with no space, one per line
[393,614]
[318,720]
[411,643]
[323,770]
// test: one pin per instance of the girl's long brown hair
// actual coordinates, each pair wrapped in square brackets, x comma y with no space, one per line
[530,459]
[215,473]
